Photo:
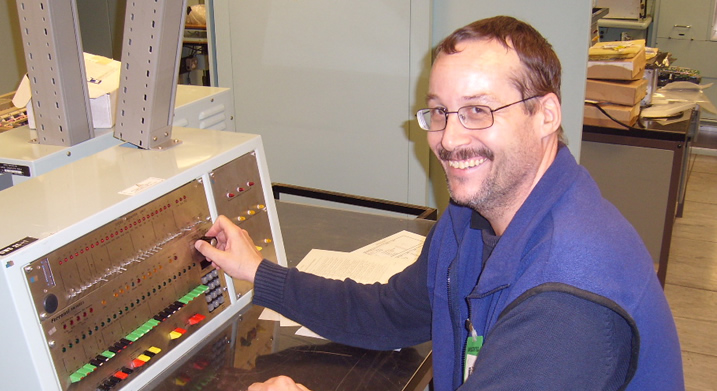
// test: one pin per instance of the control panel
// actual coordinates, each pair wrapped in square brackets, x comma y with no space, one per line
[120,293]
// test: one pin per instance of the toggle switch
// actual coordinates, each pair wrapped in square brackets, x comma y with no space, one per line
[136,363]
[176,333]
[120,375]
[196,319]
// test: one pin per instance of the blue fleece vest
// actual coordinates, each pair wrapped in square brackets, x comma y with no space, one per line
[564,233]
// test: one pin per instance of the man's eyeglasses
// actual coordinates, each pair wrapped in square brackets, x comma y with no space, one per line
[473,117]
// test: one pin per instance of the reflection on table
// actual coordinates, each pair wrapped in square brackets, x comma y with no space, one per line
[246,349]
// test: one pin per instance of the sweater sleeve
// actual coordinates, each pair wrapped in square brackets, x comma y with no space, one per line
[376,316]
[554,341]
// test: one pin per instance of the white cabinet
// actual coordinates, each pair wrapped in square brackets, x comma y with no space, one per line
[685,20]
[686,29]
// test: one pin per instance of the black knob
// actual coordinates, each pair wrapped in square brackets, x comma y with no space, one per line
[210,240]
[50,303]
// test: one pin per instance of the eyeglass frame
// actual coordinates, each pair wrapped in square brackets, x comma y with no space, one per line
[445,113]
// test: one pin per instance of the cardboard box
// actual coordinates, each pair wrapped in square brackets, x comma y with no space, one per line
[628,92]
[625,114]
[623,69]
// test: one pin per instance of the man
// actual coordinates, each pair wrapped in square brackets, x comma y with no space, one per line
[530,280]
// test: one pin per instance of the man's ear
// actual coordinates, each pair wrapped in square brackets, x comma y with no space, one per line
[551,115]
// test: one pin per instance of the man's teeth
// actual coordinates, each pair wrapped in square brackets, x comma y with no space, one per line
[465,163]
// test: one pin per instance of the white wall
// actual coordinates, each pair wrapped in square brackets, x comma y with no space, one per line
[331,86]
[12,62]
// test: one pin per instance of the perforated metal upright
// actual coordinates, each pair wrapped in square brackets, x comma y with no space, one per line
[56,68]
[150,57]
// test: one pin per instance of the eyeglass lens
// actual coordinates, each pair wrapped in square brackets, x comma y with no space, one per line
[472,117]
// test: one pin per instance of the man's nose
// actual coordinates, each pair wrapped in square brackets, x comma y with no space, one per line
[455,134]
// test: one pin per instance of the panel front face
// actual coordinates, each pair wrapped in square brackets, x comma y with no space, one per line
[113,301]
[238,194]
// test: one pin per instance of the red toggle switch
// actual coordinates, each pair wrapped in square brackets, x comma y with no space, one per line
[136,363]
[120,375]
[196,319]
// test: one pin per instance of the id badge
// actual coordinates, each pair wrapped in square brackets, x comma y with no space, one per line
[473,345]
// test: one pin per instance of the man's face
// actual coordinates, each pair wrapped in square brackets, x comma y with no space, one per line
[487,169]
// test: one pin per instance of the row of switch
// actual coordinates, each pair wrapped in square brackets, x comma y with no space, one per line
[215,294]
[240,189]
[140,332]
[124,372]
[243,216]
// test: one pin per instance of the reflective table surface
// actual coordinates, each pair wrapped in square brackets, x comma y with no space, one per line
[246,350]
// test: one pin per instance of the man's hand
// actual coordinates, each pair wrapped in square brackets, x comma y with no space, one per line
[235,252]
[279,383]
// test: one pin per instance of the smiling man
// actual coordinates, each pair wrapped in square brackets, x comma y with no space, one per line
[492,157]
[530,280]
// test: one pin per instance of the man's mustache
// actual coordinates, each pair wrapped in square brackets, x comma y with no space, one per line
[465,154]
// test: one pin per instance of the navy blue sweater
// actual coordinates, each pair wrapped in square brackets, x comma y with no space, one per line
[567,300]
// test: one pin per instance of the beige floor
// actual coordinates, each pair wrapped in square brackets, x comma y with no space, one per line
[691,282]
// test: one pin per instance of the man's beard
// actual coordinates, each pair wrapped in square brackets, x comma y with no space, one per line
[497,190]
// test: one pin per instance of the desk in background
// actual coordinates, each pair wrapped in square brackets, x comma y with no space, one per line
[643,172]
[246,349]
[194,65]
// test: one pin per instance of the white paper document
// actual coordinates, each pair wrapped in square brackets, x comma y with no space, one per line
[376,262]
[404,245]
[362,268]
